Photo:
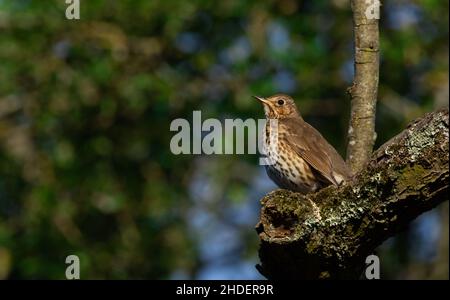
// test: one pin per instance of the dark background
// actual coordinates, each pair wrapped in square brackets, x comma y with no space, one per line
[85,109]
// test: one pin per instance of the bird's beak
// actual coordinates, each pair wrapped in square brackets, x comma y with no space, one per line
[267,105]
[262,100]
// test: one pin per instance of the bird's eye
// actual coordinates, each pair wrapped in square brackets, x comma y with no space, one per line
[280,102]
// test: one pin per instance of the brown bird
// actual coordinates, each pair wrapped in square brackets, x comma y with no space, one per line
[303,161]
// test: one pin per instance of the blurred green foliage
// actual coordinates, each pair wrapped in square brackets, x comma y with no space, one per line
[85,109]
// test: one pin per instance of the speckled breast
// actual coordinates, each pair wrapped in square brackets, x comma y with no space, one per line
[288,170]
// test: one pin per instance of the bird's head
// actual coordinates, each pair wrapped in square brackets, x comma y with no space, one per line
[279,106]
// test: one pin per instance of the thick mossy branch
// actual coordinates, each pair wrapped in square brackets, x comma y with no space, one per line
[330,233]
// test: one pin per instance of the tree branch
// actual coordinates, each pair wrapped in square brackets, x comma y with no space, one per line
[330,233]
[363,92]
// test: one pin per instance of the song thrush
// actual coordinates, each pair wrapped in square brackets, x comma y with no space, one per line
[303,160]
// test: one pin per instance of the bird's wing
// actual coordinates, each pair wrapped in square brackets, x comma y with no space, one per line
[309,144]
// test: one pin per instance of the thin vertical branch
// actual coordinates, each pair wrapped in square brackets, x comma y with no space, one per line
[363,92]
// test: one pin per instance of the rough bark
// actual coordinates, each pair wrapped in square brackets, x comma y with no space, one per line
[330,233]
[363,92]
